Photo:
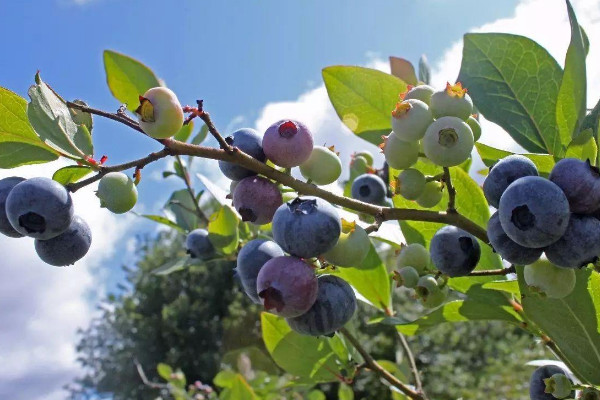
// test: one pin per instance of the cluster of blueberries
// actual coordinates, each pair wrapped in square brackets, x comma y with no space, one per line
[557,216]
[436,124]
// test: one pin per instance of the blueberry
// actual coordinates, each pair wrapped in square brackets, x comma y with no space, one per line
[323,166]
[68,247]
[287,286]
[420,92]
[306,227]
[410,184]
[534,212]
[407,277]
[160,113]
[399,154]
[334,307]
[251,259]
[6,186]
[369,188]
[117,192]
[581,183]
[413,255]
[410,119]
[431,195]
[454,252]
[366,154]
[507,249]
[537,386]
[352,247]
[589,394]
[453,101]
[580,244]
[358,165]
[430,292]
[448,141]
[548,280]
[249,141]
[505,172]
[288,143]
[475,127]
[198,245]
[257,199]
[40,208]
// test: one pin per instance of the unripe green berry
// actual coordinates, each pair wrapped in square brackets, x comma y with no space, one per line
[452,101]
[589,394]
[475,127]
[398,153]
[413,255]
[410,184]
[448,141]
[358,166]
[429,291]
[117,192]
[322,167]
[410,119]
[408,277]
[559,386]
[420,92]
[546,279]
[160,113]
[352,246]
[367,155]
[431,196]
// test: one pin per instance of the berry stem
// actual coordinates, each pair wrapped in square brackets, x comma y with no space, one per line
[451,191]
[492,272]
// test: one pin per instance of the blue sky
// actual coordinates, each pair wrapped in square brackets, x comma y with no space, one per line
[252,62]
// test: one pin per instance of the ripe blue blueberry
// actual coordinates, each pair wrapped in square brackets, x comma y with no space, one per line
[251,259]
[40,208]
[334,307]
[287,286]
[581,183]
[306,227]
[257,199]
[250,142]
[198,245]
[537,386]
[507,249]
[534,212]
[369,188]
[454,251]
[505,172]
[6,186]
[288,143]
[580,244]
[68,247]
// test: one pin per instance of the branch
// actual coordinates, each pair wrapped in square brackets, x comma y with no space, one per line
[144,378]
[379,370]
[213,131]
[451,191]
[114,116]
[492,272]
[188,185]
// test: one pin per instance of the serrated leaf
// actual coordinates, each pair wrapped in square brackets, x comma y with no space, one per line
[301,355]
[184,133]
[127,78]
[71,174]
[514,82]
[490,155]
[363,98]
[163,220]
[404,70]
[223,229]
[571,323]
[571,100]
[181,205]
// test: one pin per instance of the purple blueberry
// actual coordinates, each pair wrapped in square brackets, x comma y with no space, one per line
[251,259]
[288,143]
[534,212]
[68,247]
[580,244]
[507,249]
[287,286]
[256,199]
[581,183]
[505,172]
[6,186]
[249,141]
[537,386]
[198,245]
[454,252]
[306,226]
[369,188]
[335,305]
[40,208]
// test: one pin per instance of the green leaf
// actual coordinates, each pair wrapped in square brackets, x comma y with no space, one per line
[239,389]
[223,230]
[185,132]
[163,220]
[173,266]
[127,78]
[345,392]
[181,205]
[225,378]
[585,151]
[301,355]
[514,82]
[164,371]
[424,70]
[404,70]
[571,322]
[71,174]
[258,359]
[363,98]
[219,194]
[371,280]
[490,155]
[52,121]
[571,100]
[511,287]
[316,394]
[199,138]
[15,154]
[81,117]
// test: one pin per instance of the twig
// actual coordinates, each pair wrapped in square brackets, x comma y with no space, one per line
[144,378]
[376,225]
[492,272]
[141,163]
[119,117]
[451,191]
[188,185]
[213,130]
[379,370]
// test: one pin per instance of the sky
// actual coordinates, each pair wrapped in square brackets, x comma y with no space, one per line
[253,63]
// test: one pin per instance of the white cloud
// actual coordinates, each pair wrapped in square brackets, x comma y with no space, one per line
[43,306]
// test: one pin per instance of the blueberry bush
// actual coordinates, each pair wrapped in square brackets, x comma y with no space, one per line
[307,255]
